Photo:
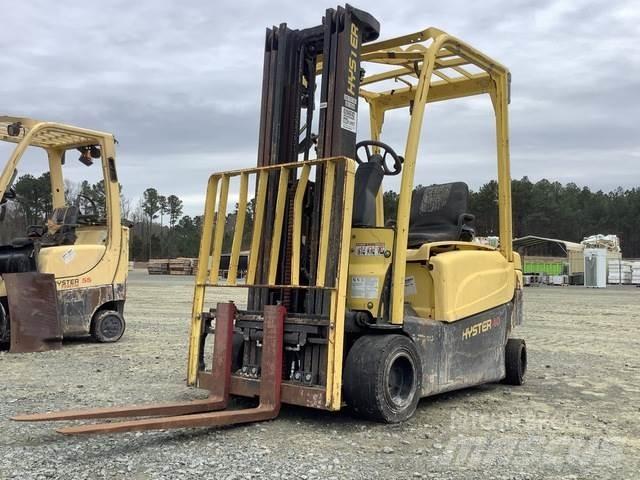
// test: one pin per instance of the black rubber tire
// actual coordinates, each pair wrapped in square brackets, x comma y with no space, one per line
[515,359]
[382,378]
[107,326]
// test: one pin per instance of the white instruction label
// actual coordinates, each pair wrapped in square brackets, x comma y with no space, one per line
[350,102]
[349,119]
[68,256]
[364,287]
[410,286]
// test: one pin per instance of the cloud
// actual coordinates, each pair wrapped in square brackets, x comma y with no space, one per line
[179,85]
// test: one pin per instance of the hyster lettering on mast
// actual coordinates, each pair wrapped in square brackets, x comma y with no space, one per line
[344,308]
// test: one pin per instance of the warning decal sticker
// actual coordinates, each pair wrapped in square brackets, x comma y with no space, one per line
[68,256]
[349,119]
[410,286]
[364,287]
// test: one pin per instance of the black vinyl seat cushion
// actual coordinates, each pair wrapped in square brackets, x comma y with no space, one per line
[62,227]
[439,213]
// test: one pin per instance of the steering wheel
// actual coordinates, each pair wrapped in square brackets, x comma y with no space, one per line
[83,216]
[381,157]
[10,191]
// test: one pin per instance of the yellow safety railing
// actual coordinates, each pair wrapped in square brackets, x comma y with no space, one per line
[331,258]
[217,207]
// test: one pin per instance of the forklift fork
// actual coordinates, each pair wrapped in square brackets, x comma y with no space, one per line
[199,413]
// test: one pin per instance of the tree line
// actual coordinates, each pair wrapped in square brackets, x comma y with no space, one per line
[553,210]
[160,230]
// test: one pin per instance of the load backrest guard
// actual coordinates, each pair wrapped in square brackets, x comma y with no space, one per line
[335,221]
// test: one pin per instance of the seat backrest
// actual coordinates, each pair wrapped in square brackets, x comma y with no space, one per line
[65,216]
[61,227]
[438,205]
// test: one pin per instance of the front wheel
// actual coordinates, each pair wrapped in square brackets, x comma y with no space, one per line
[382,377]
[107,326]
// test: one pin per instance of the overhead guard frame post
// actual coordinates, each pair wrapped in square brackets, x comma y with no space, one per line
[444,51]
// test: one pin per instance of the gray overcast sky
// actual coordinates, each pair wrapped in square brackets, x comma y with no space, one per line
[179,84]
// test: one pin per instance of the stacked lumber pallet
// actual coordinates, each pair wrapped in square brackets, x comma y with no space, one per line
[194,266]
[181,266]
[158,266]
[172,266]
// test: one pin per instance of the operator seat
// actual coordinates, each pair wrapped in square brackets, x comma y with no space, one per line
[61,227]
[438,213]
[20,255]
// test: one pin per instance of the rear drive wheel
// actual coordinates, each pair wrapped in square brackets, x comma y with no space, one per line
[382,377]
[515,358]
[107,326]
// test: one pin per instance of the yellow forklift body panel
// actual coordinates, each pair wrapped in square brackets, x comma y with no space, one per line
[418,289]
[369,260]
[468,282]
[70,260]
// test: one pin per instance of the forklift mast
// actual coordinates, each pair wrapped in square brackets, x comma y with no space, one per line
[291,60]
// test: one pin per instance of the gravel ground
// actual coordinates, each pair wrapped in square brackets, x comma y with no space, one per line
[576,417]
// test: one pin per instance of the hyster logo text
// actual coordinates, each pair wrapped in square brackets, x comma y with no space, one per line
[480,327]
[353,60]
[72,283]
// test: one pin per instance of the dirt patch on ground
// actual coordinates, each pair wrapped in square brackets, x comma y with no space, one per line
[576,417]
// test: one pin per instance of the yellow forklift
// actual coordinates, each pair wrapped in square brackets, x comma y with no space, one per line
[67,276]
[345,309]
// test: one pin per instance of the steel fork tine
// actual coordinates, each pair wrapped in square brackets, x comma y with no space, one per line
[217,400]
[270,383]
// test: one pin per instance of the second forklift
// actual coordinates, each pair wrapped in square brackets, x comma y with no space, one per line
[67,275]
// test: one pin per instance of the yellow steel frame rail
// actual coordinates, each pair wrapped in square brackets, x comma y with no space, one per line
[213,232]
[433,66]
[55,138]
